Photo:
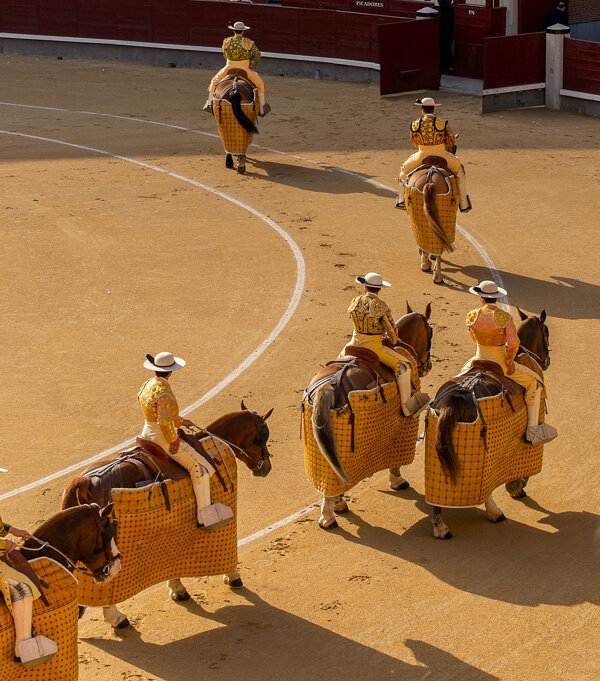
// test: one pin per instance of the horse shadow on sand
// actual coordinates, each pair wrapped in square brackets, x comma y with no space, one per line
[553,564]
[561,297]
[313,178]
[259,642]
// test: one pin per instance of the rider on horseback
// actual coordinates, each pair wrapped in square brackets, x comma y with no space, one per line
[161,413]
[372,318]
[22,591]
[497,341]
[433,137]
[241,53]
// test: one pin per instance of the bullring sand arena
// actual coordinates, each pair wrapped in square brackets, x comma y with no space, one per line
[123,233]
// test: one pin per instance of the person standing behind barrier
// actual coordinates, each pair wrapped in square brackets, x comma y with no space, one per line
[241,53]
[161,413]
[558,15]
[446,9]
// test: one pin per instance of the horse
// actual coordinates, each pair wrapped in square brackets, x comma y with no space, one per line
[455,404]
[245,431]
[414,334]
[235,108]
[431,199]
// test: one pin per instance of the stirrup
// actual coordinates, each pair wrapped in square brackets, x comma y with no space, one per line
[36,650]
[266,110]
[415,404]
[468,208]
[540,434]
[208,106]
[400,203]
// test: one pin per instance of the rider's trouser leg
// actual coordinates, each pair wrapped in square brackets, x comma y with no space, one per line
[22,605]
[200,471]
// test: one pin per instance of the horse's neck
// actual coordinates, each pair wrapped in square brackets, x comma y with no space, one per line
[530,338]
[57,535]
[228,427]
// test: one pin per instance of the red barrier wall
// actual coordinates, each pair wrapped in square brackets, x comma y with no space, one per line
[502,69]
[533,13]
[471,26]
[582,66]
[310,32]
[398,8]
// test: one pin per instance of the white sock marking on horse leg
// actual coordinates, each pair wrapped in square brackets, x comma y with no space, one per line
[491,509]
[113,615]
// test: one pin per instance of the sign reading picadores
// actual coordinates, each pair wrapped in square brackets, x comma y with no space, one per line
[368,3]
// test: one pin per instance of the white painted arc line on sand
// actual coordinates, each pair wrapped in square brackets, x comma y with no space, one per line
[254,355]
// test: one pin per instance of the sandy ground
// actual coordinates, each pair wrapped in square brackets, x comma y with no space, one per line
[103,260]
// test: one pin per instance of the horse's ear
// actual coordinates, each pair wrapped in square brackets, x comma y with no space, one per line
[543,316]
[266,416]
[522,314]
[107,510]
[427,311]
[408,308]
[244,407]
[80,501]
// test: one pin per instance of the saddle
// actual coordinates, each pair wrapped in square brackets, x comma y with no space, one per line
[236,72]
[438,161]
[492,371]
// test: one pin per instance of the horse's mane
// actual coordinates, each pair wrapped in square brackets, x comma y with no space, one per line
[224,420]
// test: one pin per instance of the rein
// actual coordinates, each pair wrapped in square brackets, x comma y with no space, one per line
[542,362]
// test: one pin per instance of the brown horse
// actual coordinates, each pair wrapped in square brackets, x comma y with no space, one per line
[413,331]
[84,534]
[454,404]
[245,431]
[431,199]
[235,109]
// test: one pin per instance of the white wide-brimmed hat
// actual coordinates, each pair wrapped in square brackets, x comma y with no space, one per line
[372,279]
[239,26]
[426,101]
[487,289]
[164,361]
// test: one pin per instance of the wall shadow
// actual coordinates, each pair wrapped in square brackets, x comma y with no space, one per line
[259,642]
[563,297]
[508,561]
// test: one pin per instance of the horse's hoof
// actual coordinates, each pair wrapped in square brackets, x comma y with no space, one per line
[439,281]
[500,519]
[241,170]
[520,495]
[329,527]
[182,597]
[122,625]
[448,535]
[82,609]
[229,161]
[236,583]
[402,485]
[341,511]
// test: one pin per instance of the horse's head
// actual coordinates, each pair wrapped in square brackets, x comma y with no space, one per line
[414,330]
[534,336]
[83,534]
[249,434]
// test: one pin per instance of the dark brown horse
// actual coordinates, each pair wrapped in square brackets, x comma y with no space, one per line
[233,94]
[454,404]
[84,534]
[413,331]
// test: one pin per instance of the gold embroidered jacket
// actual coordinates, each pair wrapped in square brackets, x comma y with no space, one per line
[238,48]
[160,406]
[372,316]
[429,130]
[489,325]
[3,532]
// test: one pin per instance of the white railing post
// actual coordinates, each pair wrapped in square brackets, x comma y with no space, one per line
[555,46]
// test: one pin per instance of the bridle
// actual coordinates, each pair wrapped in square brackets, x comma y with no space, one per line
[424,362]
[542,359]
[107,532]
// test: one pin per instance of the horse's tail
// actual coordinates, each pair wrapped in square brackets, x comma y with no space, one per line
[235,99]
[323,401]
[76,492]
[431,213]
[449,416]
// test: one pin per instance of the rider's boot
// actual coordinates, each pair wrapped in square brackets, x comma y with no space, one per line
[263,107]
[208,106]
[411,404]
[30,651]
[465,201]
[400,200]
[538,433]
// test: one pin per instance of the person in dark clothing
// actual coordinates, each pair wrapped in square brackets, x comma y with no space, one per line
[558,15]
[446,10]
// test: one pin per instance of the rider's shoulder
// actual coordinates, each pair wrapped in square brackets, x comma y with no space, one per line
[354,303]
[247,44]
[501,318]
[227,40]
[415,125]
[440,124]
[472,316]
[378,307]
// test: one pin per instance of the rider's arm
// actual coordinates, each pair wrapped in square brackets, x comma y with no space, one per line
[256,56]
[449,139]
[512,343]
[165,418]
[390,327]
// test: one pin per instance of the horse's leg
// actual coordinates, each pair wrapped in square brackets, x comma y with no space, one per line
[229,161]
[327,520]
[82,610]
[516,488]
[438,278]
[492,511]
[397,482]
[425,261]
[115,617]
[177,591]
[233,580]
[241,163]
[340,505]
[440,529]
